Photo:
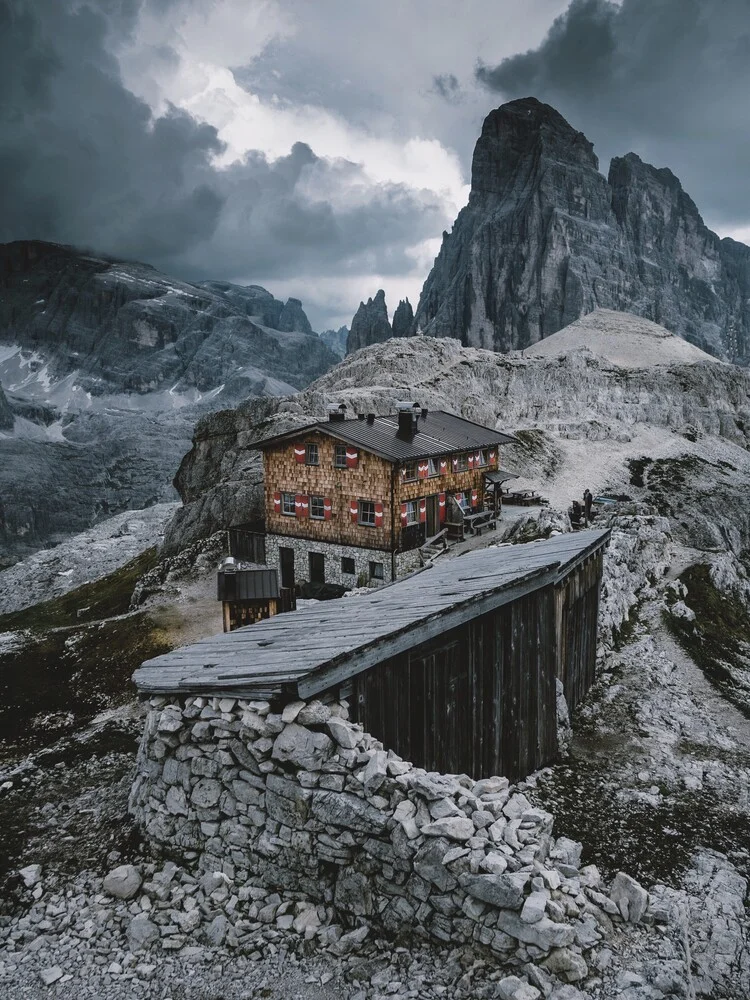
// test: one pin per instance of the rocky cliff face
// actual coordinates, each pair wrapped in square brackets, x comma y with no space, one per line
[107,366]
[403,319]
[335,340]
[370,324]
[545,238]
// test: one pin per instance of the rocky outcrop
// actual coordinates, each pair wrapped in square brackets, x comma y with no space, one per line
[124,327]
[292,318]
[335,340]
[403,319]
[687,414]
[545,238]
[6,414]
[370,324]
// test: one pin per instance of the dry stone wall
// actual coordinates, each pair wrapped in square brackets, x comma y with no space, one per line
[298,800]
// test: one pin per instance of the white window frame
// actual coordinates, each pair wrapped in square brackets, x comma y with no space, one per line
[360,521]
[412,512]
[284,498]
[321,516]
[309,446]
[339,449]
[433,467]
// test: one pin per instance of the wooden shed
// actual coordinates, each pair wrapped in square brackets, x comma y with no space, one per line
[453,668]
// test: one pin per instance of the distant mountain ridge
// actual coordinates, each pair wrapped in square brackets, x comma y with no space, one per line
[546,238]
[106,365]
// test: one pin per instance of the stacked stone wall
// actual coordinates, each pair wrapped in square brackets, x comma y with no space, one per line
[298,800]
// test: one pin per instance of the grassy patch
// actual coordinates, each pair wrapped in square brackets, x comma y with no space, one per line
[719,637]
[74,656]
[636,467]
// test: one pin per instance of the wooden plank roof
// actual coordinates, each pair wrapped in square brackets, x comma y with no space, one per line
[439,433]
[309,650]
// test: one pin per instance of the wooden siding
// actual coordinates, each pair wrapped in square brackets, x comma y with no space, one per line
[371,480]
[577,613]
[480,700]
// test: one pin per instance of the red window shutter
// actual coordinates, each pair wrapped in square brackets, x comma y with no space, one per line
[442,506]
[424,469]
[277,503]
[404,515]
[327,508]
[455,463]
[459,498]
[403,474]
[492,457]
[305,505]
[422,510]
[299,453]
[443,466]
[474,498]
[352,458]
[354,510]
[301,505]
[378,515]
[471,461]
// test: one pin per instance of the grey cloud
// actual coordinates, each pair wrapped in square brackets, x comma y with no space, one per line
[83,162]
[446,85]
[666,78]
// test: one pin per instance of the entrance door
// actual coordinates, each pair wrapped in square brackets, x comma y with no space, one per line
[286,562]
[433,515]
[317,567]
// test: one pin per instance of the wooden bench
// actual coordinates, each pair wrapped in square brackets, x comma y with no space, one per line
[482,519]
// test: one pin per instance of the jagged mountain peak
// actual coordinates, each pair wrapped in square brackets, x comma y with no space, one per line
[546,238]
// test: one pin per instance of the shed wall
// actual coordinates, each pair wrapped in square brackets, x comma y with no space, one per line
[577,613]
[480,700]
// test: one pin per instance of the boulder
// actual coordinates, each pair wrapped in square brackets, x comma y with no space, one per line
[567,965]
[297,745]
[142,932]
[505,891]
[453,827]
[630,897]
[122,882]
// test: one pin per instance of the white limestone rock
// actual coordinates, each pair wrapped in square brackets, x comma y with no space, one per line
[122,882]
[453,827]
[630,897]
[299,746]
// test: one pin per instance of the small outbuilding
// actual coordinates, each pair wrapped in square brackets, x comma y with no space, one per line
[453,668]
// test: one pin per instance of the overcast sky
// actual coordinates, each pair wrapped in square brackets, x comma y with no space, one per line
[320,147]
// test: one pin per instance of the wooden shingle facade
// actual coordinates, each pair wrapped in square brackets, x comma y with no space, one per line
[346,500]
[454,668]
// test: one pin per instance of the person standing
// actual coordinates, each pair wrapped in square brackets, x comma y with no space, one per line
[588,500]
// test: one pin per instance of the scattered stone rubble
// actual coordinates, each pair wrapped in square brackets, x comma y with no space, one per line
[298,818]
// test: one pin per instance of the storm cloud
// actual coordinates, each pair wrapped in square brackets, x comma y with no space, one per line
[85,161]
[667,79]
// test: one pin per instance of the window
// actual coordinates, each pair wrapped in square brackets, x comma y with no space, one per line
[462,463]
[339,456]
[347,566]
[376,571]
[287,504]
[311,454]
[412,511]
[317,510]
[367,513]
[411,470]
[481,455]
[433,467]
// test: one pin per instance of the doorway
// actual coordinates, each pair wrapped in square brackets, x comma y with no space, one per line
[317,567]
[433,515]
[286,562]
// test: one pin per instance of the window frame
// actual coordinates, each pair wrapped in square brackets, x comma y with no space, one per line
[483,460]
[374,566]
[348,572]
[339,450]
[293,511]
[462,462]
[411,505]
[360,522]
[322,515]
[433,468]
[407,477]
[309,446]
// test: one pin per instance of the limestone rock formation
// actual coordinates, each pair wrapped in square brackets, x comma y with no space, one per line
[335,340]
[370,324]
[545,238]
[108,365]
[403,319]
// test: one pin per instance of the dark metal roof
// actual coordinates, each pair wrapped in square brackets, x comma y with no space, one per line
[247,585]
[500,476]
[309,650]
[439,433]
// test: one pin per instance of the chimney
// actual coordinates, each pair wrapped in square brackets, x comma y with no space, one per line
[424,413]
[370,418]
[408,419]
[336,412]
[360,416]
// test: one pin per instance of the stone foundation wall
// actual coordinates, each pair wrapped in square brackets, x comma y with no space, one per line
[333,555]
[296,799]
